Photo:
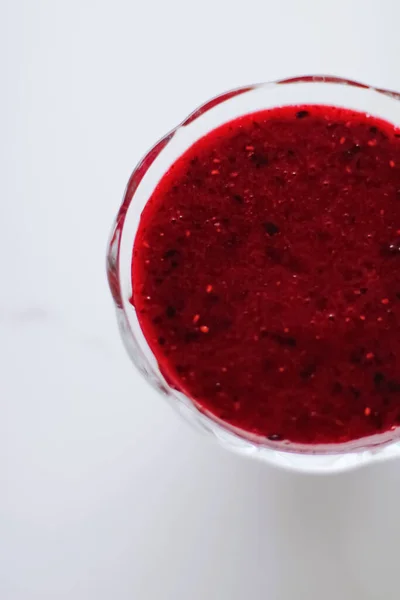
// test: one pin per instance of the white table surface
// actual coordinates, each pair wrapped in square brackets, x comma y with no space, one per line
[105,493]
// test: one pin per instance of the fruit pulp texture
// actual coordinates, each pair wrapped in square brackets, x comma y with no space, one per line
[265,274]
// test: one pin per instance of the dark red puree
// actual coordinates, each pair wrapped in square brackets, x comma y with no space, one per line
[266,274]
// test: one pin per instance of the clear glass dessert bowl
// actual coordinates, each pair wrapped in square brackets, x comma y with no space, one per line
[310,90]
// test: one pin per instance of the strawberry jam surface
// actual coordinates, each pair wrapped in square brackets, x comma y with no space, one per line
[266,274]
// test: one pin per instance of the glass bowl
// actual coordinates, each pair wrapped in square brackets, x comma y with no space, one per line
[324,90]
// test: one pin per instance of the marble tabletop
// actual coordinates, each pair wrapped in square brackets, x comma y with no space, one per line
[105,492]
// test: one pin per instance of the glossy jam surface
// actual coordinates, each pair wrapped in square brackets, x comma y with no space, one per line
[266,274]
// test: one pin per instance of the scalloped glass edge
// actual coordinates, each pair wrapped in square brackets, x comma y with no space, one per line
[333,458]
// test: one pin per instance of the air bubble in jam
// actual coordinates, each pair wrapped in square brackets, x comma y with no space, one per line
[266,274]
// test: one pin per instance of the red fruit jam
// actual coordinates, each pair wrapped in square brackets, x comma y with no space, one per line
[266,274]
